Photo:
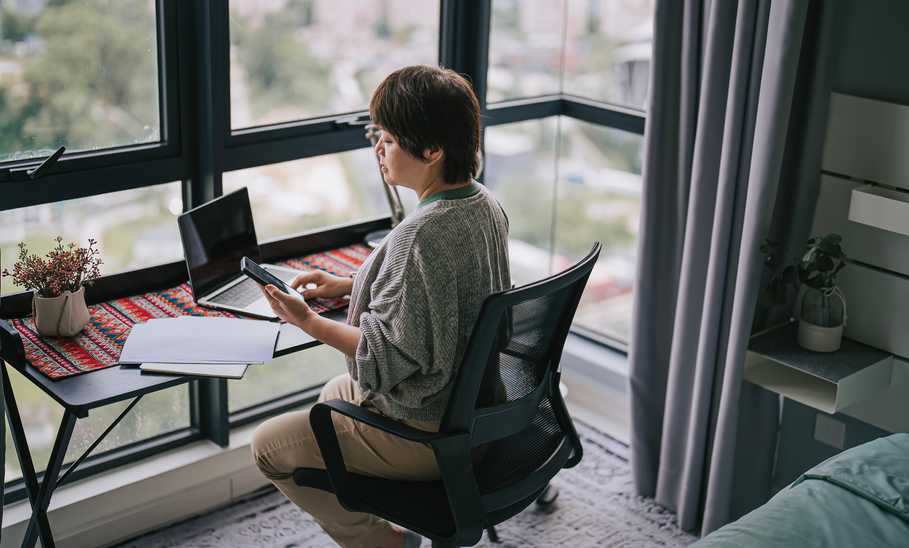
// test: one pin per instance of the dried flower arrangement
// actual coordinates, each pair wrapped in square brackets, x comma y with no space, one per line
[65,268]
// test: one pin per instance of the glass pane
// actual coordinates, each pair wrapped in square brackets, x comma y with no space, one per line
[134,228]
[599,199]
[297,59]
[525,49]
[292,197]
[520,170]
[157,413]
[285,375]
[80,74]
[607,50]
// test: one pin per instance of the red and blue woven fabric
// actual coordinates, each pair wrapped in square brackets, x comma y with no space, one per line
[98,345]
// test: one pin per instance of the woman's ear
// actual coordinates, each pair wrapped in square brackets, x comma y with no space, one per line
[433,155]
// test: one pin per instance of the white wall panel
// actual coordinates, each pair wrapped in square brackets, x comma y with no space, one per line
[861,242]
[868,140]
[878,308]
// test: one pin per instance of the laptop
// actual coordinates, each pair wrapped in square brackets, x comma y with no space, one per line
[215,236]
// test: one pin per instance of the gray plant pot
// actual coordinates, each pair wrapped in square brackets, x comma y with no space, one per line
[62,316]
[822,316]
[818,338]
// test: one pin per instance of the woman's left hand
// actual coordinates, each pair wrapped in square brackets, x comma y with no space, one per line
[290,308]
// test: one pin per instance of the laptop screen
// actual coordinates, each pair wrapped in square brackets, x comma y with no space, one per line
[216,235]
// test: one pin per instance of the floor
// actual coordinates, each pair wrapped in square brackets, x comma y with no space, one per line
[596,507]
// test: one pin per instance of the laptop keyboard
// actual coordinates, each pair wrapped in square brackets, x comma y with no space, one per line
[247,292]
[241,295]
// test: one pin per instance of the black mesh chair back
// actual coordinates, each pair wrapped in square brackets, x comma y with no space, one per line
[519,426]
[505,433]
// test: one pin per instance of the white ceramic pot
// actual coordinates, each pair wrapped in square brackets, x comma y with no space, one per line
[819,339]
[62,316]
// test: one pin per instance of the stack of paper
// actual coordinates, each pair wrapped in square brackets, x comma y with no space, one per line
[186,345]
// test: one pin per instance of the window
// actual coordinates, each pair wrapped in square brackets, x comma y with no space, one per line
[525,49]
[134,228]
[607,50]
[291,197]
[558,205]
[582,182]
[80,74]
[520,170]
[599,198]
[596,49]
[298,59]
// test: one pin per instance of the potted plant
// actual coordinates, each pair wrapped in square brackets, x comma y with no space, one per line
[821,306]
[58,282]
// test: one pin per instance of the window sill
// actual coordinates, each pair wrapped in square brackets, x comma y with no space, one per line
[601,363]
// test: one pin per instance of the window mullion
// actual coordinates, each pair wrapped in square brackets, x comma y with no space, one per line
[464,41]
[205,123]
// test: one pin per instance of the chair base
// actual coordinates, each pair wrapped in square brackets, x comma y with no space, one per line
[548,496]
[490,533]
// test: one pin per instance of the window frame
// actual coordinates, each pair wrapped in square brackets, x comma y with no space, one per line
[198,145]
[87,173]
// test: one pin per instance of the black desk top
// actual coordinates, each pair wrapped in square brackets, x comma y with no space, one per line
[81,393]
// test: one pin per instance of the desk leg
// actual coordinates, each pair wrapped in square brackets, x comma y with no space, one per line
[25,457]
[38,497]
[39,507]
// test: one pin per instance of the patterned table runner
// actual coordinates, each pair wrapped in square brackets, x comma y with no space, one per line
[98,345]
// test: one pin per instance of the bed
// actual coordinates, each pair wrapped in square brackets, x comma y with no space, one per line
[858,498]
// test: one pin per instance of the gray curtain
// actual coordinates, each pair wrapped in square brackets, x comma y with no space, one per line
[722,86]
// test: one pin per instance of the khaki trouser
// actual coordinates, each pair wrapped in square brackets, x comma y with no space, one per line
[284,443]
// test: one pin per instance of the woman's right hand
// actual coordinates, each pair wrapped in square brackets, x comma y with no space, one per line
[328,286]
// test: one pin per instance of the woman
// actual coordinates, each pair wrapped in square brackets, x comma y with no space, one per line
[413,303]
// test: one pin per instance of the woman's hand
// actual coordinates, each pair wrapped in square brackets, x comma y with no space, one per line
[328,286]
[290,308]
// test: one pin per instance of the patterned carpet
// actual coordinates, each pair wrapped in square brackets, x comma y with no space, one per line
[596,507]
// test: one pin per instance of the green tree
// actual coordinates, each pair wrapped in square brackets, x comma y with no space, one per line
[279,68]
[92,81]
[14,27]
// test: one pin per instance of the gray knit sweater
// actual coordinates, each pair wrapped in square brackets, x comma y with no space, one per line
[417,297]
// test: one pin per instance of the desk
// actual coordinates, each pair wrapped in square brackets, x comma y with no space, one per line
[81,393]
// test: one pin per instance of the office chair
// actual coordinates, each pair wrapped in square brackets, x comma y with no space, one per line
[505,433]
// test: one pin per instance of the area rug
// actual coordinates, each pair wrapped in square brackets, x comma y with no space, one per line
[596,507]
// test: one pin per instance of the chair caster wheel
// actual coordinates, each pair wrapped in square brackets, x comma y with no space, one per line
[548,496]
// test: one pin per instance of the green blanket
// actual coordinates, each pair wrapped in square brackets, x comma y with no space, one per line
[858,498]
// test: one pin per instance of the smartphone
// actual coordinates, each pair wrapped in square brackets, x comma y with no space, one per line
[262,276]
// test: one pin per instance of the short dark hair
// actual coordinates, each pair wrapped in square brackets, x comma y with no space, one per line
[427,107]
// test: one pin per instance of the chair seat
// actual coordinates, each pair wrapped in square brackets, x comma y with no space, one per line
[421,506]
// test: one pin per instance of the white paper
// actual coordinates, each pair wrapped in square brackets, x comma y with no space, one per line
[195,339]
[224,370]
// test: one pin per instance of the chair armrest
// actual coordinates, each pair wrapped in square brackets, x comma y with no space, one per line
[378,421]
[324,430]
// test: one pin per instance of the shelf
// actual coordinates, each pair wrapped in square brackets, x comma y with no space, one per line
[828,381]
[881,208]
